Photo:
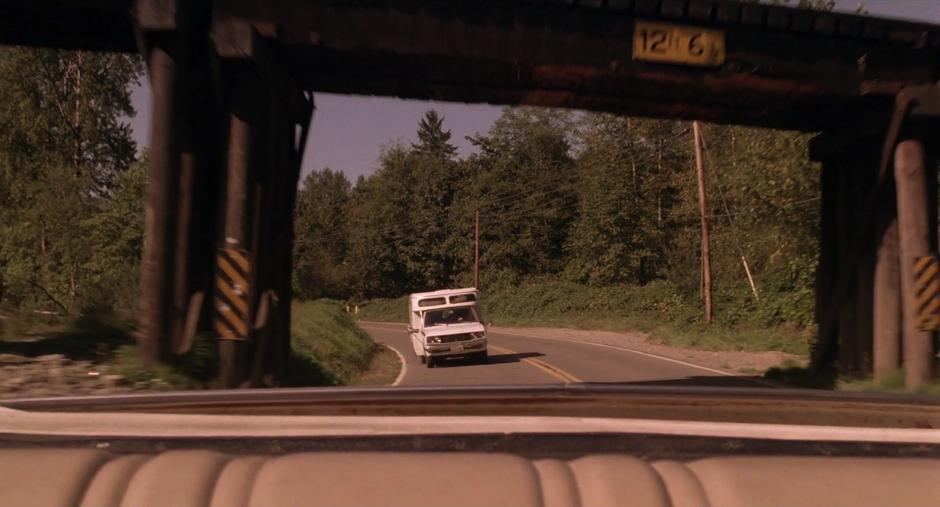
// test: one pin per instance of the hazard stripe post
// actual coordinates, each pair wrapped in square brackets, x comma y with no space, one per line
[927,292]
[232,316]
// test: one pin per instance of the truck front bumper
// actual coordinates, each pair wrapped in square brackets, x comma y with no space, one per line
[461,348]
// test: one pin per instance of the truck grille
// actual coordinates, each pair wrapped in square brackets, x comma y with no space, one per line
[455,338]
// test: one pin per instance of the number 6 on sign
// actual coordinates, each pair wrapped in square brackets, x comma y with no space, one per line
[660,42]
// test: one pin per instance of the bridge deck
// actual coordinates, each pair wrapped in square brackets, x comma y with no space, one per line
[784,67]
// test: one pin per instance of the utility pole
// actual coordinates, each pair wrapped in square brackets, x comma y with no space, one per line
[703,208]
[476,254]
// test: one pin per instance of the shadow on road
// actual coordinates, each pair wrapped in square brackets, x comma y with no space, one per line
[493,359]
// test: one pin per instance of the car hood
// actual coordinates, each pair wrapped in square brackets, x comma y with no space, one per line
[448,329]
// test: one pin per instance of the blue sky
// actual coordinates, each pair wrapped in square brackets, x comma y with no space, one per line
[349,132]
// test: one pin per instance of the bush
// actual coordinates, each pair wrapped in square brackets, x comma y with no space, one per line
[385,310]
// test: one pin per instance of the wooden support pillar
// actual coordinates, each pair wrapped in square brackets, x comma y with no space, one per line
[886,313]
[197,128]
[846,270]
[237,213]
[183,254]
[864,323]
[266,180]
[276,227]
[827,268]
[846,216]
[914,236]
[865,174]
[157,261]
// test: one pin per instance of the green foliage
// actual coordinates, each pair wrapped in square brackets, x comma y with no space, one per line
[327,347]
[385,310]
[321,228]
[628,176]
[116,231]
[891,383]
[69,216]
[433,140]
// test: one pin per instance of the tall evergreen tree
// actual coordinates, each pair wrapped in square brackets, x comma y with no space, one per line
[433,140]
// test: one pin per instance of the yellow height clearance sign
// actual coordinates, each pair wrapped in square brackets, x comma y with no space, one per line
[927,292]
[231,294]
[678,44]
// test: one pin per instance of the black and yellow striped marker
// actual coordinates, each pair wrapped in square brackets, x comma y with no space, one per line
[927,292]
[231,294]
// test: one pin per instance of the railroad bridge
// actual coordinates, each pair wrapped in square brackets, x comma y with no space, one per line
[232,84]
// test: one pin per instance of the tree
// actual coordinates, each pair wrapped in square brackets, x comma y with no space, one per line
[64,143]
[523,185]
[116,233]
[380,229]
[626,178]
[433,140]
[320,231]
[436,177]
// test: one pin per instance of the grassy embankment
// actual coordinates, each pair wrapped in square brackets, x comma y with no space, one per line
[327,348]
[655,308]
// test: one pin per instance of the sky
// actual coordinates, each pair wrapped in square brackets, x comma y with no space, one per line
[349,132]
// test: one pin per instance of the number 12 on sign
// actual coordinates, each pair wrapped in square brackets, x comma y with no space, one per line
[661,42]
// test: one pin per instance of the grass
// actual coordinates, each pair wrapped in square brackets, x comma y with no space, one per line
[382,371]
[892,383]
[799,376]
[327,348]
[385,310]
[658,309]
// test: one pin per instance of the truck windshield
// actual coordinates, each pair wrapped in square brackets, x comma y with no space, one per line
[444,317]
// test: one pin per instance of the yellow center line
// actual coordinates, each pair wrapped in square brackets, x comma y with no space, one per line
[542,365]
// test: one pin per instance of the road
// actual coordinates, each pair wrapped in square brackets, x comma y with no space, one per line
[517,359]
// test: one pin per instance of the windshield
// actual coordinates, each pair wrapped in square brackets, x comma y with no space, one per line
[619,198]
[445,317]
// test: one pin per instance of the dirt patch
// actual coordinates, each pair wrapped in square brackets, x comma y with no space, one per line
[734,362]
[382,371]
[54,375]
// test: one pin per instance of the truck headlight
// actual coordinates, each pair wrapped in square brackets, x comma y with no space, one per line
[434,339]
[478,335]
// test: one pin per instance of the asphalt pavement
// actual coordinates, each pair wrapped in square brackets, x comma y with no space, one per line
[531,359]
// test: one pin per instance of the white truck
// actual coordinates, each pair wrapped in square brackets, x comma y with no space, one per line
[447,323]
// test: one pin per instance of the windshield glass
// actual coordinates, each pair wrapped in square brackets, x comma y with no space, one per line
[623,197]
[444,317]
